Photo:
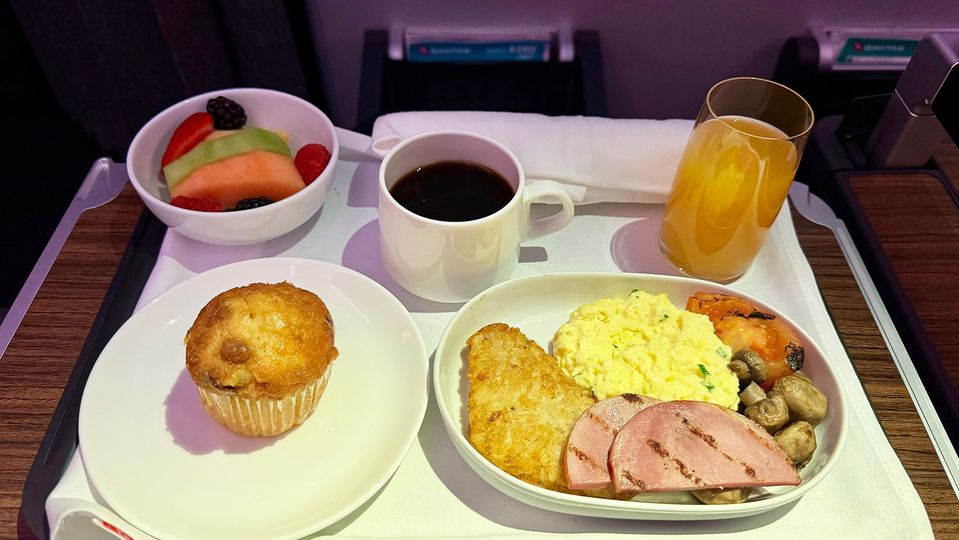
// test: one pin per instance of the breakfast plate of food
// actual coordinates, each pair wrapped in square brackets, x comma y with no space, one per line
[266,398]
[637,396]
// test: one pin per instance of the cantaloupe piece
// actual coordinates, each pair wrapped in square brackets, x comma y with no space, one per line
[253,174]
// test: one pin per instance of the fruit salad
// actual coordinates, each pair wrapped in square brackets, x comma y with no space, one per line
[214,162]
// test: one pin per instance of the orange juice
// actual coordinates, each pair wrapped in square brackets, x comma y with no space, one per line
[730,184]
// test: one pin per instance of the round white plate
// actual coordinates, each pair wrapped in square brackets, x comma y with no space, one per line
[162,463]
[539,305]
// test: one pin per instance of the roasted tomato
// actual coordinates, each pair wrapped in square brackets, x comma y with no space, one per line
[741,325]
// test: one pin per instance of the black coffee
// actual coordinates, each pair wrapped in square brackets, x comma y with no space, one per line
[452,191]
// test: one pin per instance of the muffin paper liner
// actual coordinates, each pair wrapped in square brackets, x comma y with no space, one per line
[263,417]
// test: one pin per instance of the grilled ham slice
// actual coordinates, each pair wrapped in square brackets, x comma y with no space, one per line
[587,450]
[686,445]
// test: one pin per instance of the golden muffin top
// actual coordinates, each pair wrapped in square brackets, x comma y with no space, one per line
[260,340]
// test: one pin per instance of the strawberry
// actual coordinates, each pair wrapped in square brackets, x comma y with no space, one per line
[187,135]
[311,160]
[200,204]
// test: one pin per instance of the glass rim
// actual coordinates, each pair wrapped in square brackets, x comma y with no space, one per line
[804,132]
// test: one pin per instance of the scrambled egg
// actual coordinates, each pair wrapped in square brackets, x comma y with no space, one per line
[643,344]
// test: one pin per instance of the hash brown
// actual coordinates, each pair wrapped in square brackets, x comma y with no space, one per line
[521,405]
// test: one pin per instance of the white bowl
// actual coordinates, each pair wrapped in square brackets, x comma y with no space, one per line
[538,305]
[264,108]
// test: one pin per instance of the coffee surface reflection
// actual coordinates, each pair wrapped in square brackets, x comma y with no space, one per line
[452,191]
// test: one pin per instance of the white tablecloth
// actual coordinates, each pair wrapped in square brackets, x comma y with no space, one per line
[434,493]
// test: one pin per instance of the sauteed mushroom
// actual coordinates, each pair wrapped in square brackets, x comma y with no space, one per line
[771,413]
[798,440]
[722,496]
[740,370]
[805,401]
[757,368]
[752,394]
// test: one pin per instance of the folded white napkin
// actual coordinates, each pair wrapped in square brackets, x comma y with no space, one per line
[597,159]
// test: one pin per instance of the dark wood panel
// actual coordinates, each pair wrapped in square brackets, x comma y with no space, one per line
[41,355]
[948,161]
[879,376]
[917,222]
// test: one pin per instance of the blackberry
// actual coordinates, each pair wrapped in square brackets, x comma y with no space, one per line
[227,114]
[253,202]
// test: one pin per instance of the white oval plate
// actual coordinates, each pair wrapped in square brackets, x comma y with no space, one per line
[539,305]
[163,464]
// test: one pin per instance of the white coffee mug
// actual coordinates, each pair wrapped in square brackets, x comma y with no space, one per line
[452,261]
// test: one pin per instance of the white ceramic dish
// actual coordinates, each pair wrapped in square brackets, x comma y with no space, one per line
[159,461]
[264,108]
[538,305]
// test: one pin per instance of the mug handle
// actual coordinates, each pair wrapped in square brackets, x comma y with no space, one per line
[547,191]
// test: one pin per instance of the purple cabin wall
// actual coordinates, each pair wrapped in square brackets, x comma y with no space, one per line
[660,57]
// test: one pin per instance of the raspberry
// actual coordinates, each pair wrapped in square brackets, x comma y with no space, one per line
[311,160]
[253,202]
[227,114]
[199,204]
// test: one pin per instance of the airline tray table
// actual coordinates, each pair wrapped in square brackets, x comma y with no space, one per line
[119,255]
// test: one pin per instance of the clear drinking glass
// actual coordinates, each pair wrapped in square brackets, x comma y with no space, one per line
[733,177]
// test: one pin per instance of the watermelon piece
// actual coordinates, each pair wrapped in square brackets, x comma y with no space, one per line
[253,174]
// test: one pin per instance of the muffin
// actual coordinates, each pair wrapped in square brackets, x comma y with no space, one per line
[260,356]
